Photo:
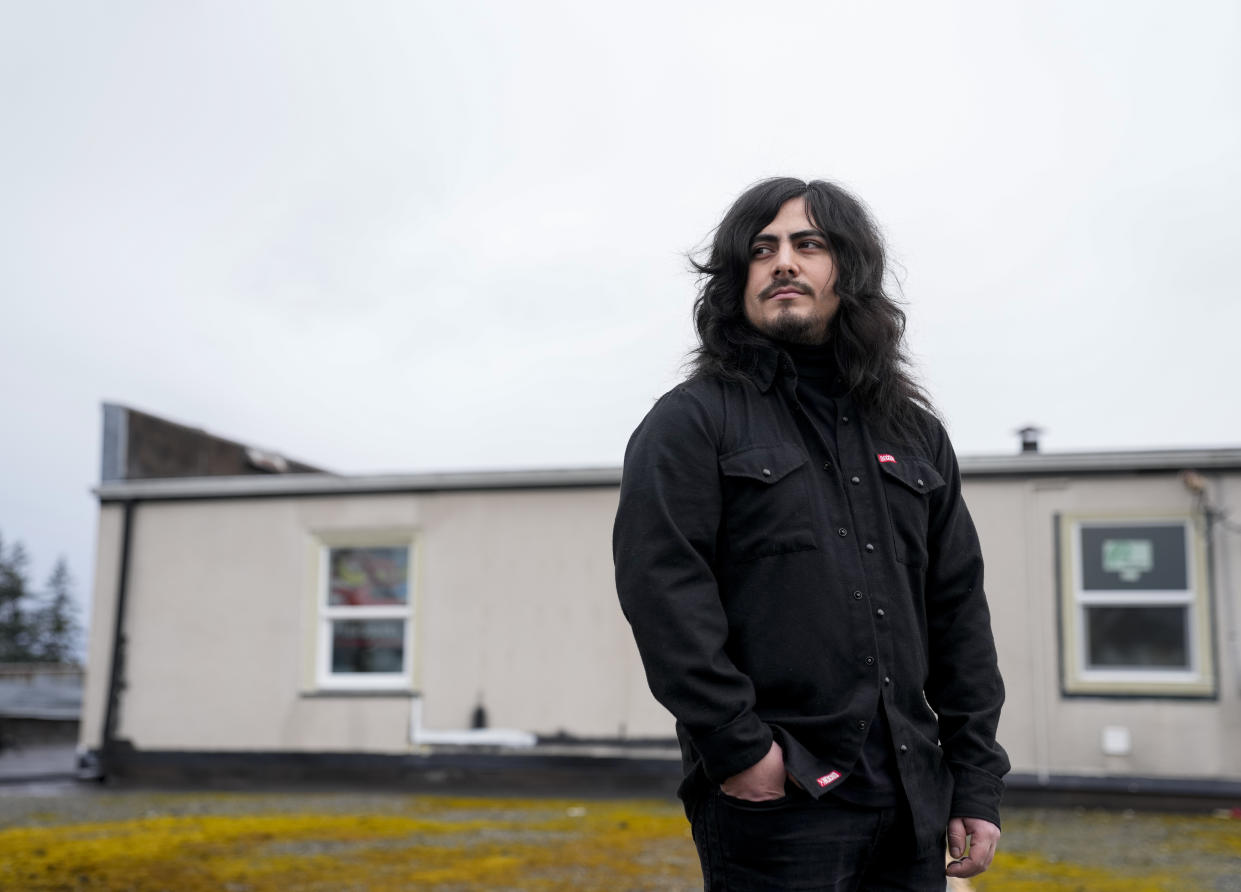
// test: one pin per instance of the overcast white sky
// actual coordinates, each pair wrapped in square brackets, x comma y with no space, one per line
[412,236]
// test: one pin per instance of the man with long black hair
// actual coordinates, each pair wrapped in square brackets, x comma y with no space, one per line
[802,577]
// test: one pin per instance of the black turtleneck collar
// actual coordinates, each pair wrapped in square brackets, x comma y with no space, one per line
[814,364]
[817,362]
[816,367]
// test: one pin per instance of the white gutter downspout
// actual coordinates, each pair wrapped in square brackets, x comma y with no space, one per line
[1219,556]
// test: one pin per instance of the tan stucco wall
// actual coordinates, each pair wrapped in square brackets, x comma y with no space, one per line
[515,602]
[520,606]
[101,626]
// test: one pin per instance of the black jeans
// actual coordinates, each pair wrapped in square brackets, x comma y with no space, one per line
[799,843]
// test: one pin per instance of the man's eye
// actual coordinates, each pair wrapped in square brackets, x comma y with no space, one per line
[759,250]
[811,243]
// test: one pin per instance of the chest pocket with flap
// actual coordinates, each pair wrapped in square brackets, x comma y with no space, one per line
[766,501]
[908,487]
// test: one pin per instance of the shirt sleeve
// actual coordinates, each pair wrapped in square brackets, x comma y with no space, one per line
[964,686]
[663,545]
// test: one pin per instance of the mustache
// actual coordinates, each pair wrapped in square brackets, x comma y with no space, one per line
[783,286]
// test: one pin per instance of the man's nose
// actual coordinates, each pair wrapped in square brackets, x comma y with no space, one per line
[786,261]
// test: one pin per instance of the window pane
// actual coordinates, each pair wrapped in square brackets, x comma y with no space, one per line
[368,645]
[1137,637]
[359,576]
[1134,557]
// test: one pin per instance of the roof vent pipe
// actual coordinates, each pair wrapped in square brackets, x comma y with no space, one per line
[1029,438]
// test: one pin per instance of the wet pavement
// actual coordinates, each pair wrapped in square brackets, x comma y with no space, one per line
[26,763]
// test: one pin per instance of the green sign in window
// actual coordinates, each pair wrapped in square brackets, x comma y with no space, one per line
[1128,558]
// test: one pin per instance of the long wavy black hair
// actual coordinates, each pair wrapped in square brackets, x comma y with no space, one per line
[867,333]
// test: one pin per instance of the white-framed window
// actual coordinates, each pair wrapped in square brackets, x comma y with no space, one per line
[365,613]
[1134,610]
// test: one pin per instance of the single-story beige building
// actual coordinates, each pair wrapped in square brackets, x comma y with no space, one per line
[412,624]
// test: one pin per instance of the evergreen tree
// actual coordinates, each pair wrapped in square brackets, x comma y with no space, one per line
[34,629]
[15,626]
[56,622]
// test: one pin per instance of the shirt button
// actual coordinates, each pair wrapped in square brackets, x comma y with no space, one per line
[879,613]
[857,596]
[870,661]
[887,679]
[869,547]
[842,532]
[904,749]
[844,418]
[920,483]
[861,726]
[766,472]
[855,480]
[827,465]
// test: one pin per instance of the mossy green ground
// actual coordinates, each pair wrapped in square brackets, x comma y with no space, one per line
[1109,851]
[118,841]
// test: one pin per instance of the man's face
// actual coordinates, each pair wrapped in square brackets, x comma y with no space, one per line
[790,294]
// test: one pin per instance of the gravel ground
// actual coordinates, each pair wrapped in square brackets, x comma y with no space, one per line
[1092,850]
[528,843]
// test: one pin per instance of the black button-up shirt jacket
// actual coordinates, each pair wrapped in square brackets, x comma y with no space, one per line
[776,588]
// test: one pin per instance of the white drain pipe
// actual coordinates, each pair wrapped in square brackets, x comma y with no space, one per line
[420,736]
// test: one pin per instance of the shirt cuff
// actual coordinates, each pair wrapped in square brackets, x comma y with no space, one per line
[734,747]
[975,794]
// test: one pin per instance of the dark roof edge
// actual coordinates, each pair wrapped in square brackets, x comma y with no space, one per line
[284,485]
[334,485]
[1134,462]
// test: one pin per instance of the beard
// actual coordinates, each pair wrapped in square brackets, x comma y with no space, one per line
[795,328]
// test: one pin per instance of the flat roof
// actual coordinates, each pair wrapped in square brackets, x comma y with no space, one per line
[285,485]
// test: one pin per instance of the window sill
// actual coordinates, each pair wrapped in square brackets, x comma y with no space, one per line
[1139,691]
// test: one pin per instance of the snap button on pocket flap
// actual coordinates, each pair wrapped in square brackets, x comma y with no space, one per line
[766,464]
[916,474]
